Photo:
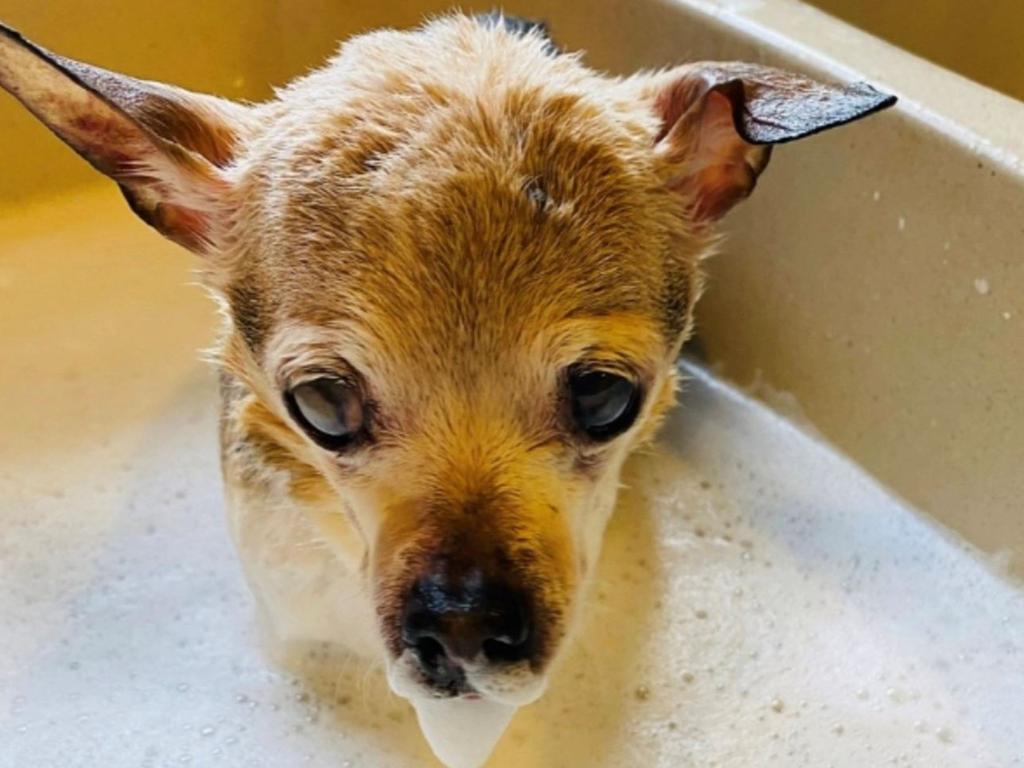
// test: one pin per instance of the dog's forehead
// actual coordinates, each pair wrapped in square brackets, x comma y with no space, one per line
[489,250]
[448,208]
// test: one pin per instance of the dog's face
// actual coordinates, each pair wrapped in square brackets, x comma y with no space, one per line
[467,317]
[457,269]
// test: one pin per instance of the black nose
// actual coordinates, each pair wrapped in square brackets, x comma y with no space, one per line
[448,619]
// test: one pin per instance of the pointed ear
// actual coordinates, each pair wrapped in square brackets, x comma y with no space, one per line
[720,119]
[167,148]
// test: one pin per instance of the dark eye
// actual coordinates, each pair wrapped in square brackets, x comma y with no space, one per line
[330,410]
[603,404]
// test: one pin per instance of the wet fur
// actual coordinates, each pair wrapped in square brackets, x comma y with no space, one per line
[451,218]
[403,197]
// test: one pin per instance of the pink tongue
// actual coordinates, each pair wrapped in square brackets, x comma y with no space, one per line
[462,733]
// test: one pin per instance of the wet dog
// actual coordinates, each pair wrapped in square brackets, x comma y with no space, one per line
[456,268]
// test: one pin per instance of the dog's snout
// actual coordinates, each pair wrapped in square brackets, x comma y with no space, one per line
[448,620]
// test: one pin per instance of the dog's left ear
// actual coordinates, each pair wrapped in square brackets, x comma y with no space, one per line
[720,119]
[167,148]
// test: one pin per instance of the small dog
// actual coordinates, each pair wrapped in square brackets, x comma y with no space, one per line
[456,268]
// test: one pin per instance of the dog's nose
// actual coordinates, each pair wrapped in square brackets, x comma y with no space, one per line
[450,620]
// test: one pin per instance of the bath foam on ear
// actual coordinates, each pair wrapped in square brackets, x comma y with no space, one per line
[462,733]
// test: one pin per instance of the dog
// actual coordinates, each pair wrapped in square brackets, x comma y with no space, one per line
[456,268]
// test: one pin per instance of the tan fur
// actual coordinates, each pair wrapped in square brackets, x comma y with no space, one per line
[381,211]
[451,217]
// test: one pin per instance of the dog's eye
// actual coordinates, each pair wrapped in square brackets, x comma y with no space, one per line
[330,410]
[603,404]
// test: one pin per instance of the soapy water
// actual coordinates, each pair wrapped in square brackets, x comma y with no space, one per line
[760,602]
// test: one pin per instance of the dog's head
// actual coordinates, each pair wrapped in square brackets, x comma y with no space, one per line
[457,268]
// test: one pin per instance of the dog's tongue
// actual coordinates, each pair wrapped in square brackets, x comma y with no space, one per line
[462,733]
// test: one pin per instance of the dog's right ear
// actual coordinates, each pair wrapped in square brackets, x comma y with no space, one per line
[167,148]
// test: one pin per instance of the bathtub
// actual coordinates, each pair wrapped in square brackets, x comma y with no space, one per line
[818,566]
[979,42]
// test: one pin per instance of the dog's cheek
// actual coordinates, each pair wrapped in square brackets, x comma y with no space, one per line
[547,560]
[662,398]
